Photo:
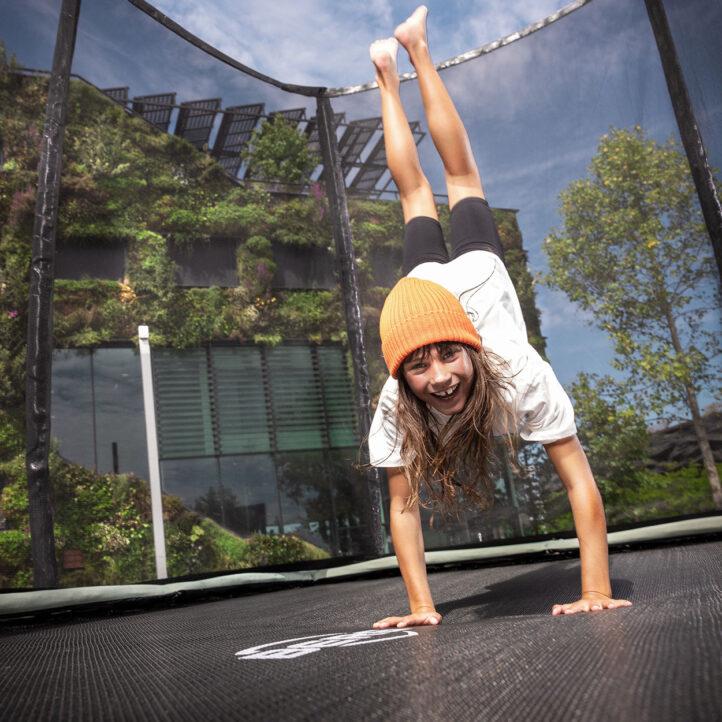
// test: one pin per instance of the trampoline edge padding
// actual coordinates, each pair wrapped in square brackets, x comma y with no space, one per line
[56,599]
[20,603]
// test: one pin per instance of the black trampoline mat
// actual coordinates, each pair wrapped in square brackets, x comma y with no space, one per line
[498,655]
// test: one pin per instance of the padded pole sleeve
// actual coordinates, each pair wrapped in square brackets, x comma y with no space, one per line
[40,304]
[688,129]
[346,265]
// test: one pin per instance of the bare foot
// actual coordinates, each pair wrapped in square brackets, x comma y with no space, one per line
[383,56]
[412,32]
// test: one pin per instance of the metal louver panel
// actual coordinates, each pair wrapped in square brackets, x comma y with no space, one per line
[252,400]
[184,406]
[240,400]
[296,399]
[338,397]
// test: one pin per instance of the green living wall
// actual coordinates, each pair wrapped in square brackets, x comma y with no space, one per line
[124,182]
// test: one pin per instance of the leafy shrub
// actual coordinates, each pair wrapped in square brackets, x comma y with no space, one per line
[263,550]
[278,152]
[15,557]
[653,496]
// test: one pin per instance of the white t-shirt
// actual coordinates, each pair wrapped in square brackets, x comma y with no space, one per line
[540,407]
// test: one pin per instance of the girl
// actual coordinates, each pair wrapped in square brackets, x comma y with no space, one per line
[455,343]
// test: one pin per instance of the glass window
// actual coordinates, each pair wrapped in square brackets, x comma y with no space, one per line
[240,398]
[71,406]
[296,398]
[119,413]
[306,497]
[340,414]
[196,482]
[348,491]
[183,403]
[250,494]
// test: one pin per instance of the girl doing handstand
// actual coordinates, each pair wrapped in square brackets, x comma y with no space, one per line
[453,337]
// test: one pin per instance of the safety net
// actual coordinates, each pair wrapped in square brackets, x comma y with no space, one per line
[195,201]
[694,27]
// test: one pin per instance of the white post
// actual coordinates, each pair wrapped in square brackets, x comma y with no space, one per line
[156,499]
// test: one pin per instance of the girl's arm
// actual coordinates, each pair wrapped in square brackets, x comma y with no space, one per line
[409,547]
[573,468]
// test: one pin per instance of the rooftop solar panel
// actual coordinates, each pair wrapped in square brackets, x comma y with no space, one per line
[119,95]
[156,109]
[235,131]
[312,131]
[293,115]
[354,140]
[376,164]
[195,121]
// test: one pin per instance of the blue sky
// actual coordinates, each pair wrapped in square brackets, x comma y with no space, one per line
[534,110]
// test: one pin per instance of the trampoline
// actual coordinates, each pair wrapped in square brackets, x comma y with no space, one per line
[227,559]
[309,653]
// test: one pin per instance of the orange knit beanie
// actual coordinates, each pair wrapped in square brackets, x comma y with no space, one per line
[417,313]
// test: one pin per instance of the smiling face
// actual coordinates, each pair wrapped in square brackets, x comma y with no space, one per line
[441,375]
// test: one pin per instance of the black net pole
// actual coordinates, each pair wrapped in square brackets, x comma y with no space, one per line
[346,264]
[688,129]
[40,305]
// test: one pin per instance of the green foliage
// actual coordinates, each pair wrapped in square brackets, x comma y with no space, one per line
[635,253]
[231,549]
[90,312]
[263,550]
[14,552]
[108,518]
[255,266]
[613,433]
[654,495]
[278,152]
[11,437]
[302,222]
[302,314]
[669,494]
[126,183]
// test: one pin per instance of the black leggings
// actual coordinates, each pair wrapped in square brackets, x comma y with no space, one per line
[472,229]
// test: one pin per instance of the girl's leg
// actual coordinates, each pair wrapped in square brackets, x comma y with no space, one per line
[447,130]
[417,198]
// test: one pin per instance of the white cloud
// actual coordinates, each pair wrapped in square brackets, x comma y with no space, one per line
[316,42]
[321,42]
[557,311]
[499,18]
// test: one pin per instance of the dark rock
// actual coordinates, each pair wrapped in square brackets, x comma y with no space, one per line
[678,446]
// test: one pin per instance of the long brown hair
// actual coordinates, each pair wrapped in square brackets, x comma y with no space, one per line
[452,463]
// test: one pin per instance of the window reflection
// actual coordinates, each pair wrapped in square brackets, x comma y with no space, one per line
[120,426]
[72,406]
[276,486]
[248,498]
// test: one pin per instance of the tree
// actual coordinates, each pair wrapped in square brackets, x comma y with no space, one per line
[612,431]
[634,252]
[278,152]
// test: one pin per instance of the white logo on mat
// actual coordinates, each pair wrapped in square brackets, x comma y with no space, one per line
[290,648]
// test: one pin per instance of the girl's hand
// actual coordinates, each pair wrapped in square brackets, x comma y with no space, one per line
[590,602]
[410,620]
